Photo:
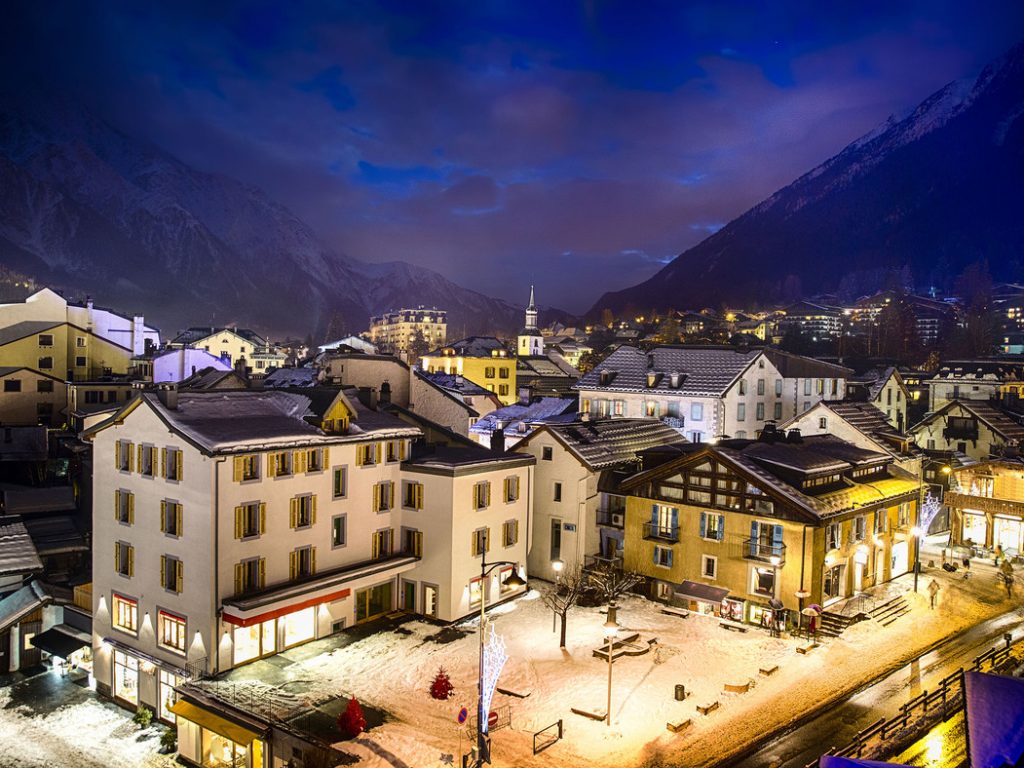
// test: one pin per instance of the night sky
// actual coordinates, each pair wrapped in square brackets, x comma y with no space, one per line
[578,146]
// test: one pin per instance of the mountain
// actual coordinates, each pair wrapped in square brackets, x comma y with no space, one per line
[928,193]
[86,208]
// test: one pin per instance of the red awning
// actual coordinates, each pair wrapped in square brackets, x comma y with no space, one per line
[248,621]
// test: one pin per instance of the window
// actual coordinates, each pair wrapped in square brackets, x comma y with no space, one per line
[503,389]
[339,530]
[125,615]
[383,496]
[81,361]
[44,385]
[547,453]
[763,581]
[511,489]
[412,495]
[880,520]
[173,464]
[510,533]
[777,412]
[489,372]
[147,460]
[741,411]
[170,518]
[712,526]
[778,387]
[807,386]
[340,482]
[382,543]
[558,492]
[903,515]
[124,559]
[823,422]
[247,468]
[45,363]
[171,573]
[821,387]
[80,341]
[301,563]
[45,339]
[696,411]
[760,386]
[124,507]
[556,540]
[124,456]
[481,541]
[171,631]
[412,542]
[743,387]
[482,495]
[396,450]
[366,455]
[663,557]
[250,575]
[503,374]
[475,591]
[303,511]
[709,566]
[860,528]
[833,536]
[314,459]
[12,385]
[279,464]
[250,520]
[760,412]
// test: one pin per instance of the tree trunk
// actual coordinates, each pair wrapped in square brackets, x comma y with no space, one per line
[561,643]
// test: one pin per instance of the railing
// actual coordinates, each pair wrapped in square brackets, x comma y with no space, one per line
[756,549]
[661,532]
[984,503]
[545,737]
[83,597]
[602,563]
[197,668]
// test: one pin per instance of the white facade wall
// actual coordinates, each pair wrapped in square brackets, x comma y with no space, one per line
[944,390]
[178,364]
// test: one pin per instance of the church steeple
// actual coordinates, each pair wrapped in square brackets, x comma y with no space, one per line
[531,342]
[531,313]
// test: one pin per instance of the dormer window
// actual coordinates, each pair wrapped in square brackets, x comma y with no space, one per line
[676,380]
[607,377]
[652,379]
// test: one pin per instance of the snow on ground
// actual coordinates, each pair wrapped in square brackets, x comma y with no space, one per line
[87,733]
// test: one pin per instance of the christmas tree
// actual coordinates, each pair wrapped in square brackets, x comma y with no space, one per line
[442,687]
[351,722]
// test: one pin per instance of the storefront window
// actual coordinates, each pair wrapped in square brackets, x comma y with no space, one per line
[299,627]
[166,696]
[255,641]
[732,609]
[126,677]
[218,750]
[975,528]
[1007,533]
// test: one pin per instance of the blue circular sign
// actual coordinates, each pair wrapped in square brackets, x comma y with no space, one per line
[463,715]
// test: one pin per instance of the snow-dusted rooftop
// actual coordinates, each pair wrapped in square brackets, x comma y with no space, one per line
[17,552]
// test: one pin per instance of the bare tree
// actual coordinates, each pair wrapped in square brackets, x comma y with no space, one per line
[613,583]
[563,596]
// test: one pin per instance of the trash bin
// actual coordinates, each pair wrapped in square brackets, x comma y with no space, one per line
[680,692]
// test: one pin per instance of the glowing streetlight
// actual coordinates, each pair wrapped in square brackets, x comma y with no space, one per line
[611,629]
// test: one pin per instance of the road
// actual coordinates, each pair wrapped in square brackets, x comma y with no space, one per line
[840,723]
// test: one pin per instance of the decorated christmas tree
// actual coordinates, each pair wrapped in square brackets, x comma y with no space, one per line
[351,722]
[442,687]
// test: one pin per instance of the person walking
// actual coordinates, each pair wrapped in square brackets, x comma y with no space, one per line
[933,591]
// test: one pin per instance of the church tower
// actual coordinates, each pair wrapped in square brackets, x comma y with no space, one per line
[531,343]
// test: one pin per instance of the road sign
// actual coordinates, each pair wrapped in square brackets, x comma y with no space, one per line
[492,719]
[463,714]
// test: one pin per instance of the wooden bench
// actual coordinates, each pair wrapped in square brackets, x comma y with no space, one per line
[736,687]
[733,627]
[805,649]
[679,725]
[706,709]
[765,671]
[599,716]
[517,695]
[677,612]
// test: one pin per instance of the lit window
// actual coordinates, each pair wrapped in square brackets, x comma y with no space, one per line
[171,631]
[125,615]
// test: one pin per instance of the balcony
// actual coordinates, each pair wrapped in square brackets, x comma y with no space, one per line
[961,431]
[611,518]
[659,532]
[601,564]
[764,551]
[1009,507]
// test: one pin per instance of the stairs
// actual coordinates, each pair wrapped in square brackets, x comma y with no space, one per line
[889,611]
[833,624]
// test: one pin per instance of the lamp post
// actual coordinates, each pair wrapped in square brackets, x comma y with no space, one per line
[775,560]
[611,629]
[917,533]
[556,565]
[483,753]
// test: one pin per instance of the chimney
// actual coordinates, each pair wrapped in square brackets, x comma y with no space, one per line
[498,438]
[168,394]
[368,397]
[794,436]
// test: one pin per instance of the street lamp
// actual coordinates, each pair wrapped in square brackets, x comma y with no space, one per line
[611,629]
[556,565]
[483,753]
[917,533]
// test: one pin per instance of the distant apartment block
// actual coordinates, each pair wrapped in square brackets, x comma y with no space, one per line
[397,330]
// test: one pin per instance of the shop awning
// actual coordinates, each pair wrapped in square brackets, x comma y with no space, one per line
[58,643]
[212,722]
[699,591]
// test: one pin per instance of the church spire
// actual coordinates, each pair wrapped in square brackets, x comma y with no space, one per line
[532,304]
[531,313]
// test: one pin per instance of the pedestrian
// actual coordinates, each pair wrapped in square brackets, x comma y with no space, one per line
[933,591]
[1006,573]
[812,627]
[998,555]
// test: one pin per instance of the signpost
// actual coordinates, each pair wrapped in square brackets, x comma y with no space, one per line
[463,716]
[492,719]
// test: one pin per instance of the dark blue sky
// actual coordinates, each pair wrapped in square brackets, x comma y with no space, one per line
[574,145]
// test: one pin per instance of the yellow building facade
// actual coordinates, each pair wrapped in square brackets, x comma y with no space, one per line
[484,360]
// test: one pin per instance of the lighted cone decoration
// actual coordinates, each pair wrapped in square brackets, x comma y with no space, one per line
[442,687]
[351,722]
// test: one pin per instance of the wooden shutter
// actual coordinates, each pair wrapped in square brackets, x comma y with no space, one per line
[238,578]
[515,531]
[312,509]
[327,458]
[131,560]
[293,565]
[117,557]
[263,518]
[419,495]
[703,524]
[239,522]
[131,458]
[179,465]
[401,450]
[263,572]
[138,452]
[312,560]
[178,520]
[391,495]
[721,527]
[131,508]
[391,540]
[163,571]
[271,465]
[293,518]
[238,469]
[179,573]
[117,454]
[487,539]
[299,461]
[508,488]
[487,493]
[376,497]
[379,450]
[163,463]
[163,516]
[117,506]
[375,546]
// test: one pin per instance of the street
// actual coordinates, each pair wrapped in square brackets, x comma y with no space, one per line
[840,724]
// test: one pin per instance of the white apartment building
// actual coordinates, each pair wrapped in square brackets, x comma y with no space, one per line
[228,528]
[397,330]
[708,392]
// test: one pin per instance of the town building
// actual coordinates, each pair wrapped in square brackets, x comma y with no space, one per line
[727,529]
[503,428]
[976,428]
[986,507]
[972,379]
[578,518]
[930,317]
[708,392]
[233,345]
[530,341]
[484,360]
[885,390]
[399,330]
[233,525]
[178,364]
[811,321]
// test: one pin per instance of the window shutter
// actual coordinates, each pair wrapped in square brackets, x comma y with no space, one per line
[312,560]
[292,565]
[131,458]
[507,486]
[138,451]
[179,464]
[777,540]
[117,454]
[376,498]
[327,457]
[293,516]
[178,514]
[654,514]
[391,540]
[379,450]
[391,495]
[263,572]
[473,543]
[117,557]
[271,465]
[703,523]
[299,460]
[312,509]
[401,450]
[163,462]
[515,531]
[239,522]
[163,517]
[487,539]
[238,578]
[179,572]
[375,548]
[263,518]
[671,554]
[721,527]
[238,469]
[515,483]
[131,508]
[753,538]
[487,494]
[163,571]
[117,505]
[419,495]
[131,560]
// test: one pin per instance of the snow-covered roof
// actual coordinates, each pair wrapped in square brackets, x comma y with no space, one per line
[606,443]
[512,416]
[290,377]
[702,371]
[17,552]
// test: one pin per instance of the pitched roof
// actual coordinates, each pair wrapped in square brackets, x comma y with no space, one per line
[22,602]
[471,346]
[26,328]
[800,367]
[211,378]
[513,415]
[198,333]
[998,421]
[705,371]
[284,378]
[606,443]
[17,552]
